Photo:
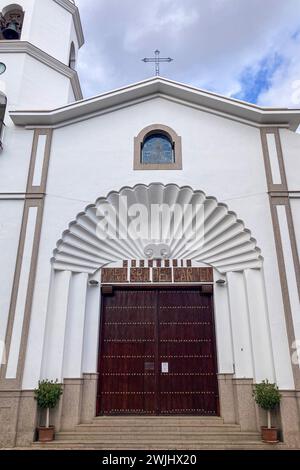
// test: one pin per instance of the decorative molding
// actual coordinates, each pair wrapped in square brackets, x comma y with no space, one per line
[10,384]
[294,194]
[12,196]
[20,196]
[268,164]
[41,188]
[24,47]
[70,6]
[157,251]
[224,243]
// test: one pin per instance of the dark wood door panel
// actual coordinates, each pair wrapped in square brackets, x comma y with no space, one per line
[186,329]
[188,404]
[127,383]
[157,353]
[129,403]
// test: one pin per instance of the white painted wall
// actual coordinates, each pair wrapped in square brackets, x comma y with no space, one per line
[206,164]
[15,159]
[30,84]
[10,224]
[42,87]
[73,347]
[13,358]
[221,157]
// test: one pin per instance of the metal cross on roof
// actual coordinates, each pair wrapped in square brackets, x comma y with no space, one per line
[157,59]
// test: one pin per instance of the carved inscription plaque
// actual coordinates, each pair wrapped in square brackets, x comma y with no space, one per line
[193,275]
[159,274]
[112,275]
[140,275]
[162,275]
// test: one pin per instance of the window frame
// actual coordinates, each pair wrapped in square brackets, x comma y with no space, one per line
[176,144]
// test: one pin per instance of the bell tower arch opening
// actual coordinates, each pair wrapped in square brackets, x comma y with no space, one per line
[11,22]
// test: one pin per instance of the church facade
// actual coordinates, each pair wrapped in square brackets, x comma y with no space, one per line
[149,242]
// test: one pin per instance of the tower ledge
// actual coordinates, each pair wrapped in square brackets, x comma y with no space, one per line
[24,47]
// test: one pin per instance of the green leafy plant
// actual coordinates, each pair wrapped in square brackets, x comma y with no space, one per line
[47,396]
[267,396]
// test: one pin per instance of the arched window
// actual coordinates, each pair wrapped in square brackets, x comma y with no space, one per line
[2,114]
[157,147]
[11,22]
[72,60]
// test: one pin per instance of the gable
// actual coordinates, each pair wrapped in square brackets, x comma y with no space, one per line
[160,87]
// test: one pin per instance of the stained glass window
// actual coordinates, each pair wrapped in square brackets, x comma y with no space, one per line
[157,149]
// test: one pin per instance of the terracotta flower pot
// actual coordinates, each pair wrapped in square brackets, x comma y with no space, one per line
[269,435]
[46,434]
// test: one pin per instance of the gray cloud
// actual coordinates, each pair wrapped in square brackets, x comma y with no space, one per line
[212,41]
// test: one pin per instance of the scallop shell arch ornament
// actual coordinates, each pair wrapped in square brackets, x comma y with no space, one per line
[187,223]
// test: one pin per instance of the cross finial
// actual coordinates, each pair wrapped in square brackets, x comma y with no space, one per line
[157,59]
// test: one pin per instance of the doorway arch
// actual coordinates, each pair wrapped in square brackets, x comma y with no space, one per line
[222,242]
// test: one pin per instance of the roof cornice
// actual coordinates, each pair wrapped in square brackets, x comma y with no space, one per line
[160,87]
[73,9]
[24,47]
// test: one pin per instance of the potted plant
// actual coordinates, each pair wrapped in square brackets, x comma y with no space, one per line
[47,396]
[267,396]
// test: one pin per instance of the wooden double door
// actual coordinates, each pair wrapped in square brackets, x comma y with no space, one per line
[157,353]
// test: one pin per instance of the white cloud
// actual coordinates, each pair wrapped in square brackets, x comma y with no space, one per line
[284,89]
[213,42]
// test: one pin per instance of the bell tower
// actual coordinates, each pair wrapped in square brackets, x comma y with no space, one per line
[39,43]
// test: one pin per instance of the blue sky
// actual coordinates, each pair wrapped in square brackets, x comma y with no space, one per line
[255,81]
[247,49]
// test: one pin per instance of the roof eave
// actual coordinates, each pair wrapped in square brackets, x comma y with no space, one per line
[160,87]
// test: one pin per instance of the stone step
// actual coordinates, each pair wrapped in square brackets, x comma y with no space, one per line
[158,420]
[152,427]
[157,437]
[209,445]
